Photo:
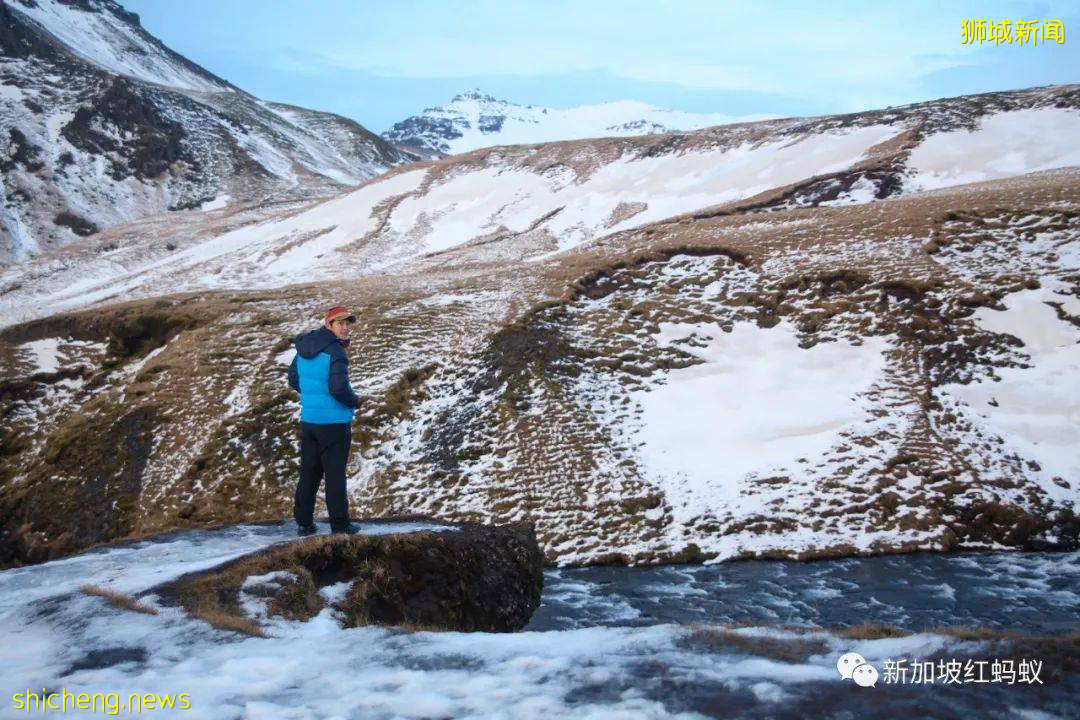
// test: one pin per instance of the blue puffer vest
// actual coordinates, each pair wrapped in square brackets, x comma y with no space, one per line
[320,372]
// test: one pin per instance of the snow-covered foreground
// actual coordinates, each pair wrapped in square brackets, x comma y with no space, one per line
[136,566]
[606,643]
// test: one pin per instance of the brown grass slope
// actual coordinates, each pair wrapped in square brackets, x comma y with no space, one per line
[173,412]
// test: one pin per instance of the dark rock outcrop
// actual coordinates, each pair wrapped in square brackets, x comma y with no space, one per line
[468,577]
[126,125]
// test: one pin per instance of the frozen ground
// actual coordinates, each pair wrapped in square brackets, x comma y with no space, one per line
[833,393]
[408,215]
[532,202]
[606,643]
[754,406]
[1035,408]
[1000,145]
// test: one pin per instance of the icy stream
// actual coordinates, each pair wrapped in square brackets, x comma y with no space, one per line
[606,643]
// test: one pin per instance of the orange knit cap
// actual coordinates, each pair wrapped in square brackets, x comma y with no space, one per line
[336,312]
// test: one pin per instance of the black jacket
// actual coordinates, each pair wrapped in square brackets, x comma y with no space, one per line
[312,343]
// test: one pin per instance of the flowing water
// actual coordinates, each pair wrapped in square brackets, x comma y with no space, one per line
[747,639]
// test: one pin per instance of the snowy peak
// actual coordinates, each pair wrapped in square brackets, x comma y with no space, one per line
[476,95]
[110,37]
[474,119]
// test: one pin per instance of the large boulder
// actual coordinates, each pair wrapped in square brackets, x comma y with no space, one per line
[465,577]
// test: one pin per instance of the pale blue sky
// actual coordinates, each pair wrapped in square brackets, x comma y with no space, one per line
[379,62]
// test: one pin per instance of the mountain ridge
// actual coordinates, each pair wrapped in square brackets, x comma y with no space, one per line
[550,198]
[106,125]
[474,119]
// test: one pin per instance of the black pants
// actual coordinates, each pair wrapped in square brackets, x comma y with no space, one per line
[324,449]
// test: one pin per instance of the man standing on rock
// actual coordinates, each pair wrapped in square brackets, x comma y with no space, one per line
[320,373]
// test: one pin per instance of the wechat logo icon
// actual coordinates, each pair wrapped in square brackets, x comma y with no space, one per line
[853,666]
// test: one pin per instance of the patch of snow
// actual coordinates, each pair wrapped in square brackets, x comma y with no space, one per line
[1036,410]
[270,156]
[270,578]
[217,203]
[862,190]
[11,93]
[237,400]
[254,603]
[285,357]
[139,364]
[447,299]
[756,405]
[335,592]
[475,203]
[44,353]
[1003,144]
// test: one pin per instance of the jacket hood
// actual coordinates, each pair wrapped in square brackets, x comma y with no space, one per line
[310,344]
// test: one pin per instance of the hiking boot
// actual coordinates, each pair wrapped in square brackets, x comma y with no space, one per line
[350,529]
[305,530]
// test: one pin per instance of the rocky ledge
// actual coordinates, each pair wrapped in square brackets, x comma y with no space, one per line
[464,577]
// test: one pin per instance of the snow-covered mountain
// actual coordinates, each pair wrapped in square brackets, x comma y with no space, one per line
[103,124]
[473,120]
[802,337]
[529,203]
